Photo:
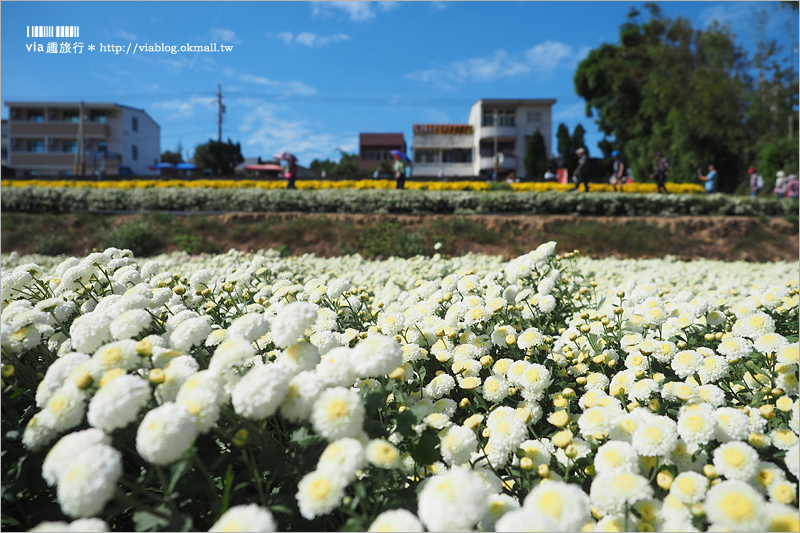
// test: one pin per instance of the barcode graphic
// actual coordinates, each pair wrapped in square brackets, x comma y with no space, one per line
[53,31]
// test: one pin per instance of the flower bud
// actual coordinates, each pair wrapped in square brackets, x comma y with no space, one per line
[664,479]
[784,404]
[464,403]
[241,438]
[757,440]
[144,348]
[710,471]
[571,451]
[562,439]
[526,463]
[83,380]
[654,405]
[8,371]
[398,373]
[156,376]
[511,340]
[543,471]
[179,289]
[767,411]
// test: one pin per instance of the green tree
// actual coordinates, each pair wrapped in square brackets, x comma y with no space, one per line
[218,156]
[171,157]
[578,140]
[536,159]
[564,146]
[668,87]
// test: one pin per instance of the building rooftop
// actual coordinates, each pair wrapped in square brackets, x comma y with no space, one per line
[443,129]
[381,139]
[517,101]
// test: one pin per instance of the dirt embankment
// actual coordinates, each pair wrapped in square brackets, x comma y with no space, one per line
[722,238]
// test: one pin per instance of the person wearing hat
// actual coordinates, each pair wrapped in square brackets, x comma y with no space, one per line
[756,182]
[661,172]
[780,184]
[618,178]
[581,174]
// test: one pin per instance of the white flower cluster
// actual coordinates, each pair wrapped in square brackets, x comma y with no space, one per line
[653,395]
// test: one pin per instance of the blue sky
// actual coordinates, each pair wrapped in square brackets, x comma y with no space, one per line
[308,77]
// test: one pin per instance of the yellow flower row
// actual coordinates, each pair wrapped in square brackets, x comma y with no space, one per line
[677,188]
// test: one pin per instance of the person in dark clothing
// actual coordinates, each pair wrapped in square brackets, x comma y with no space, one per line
[661,172]
[290,174]
[581,173]
[399,172]
[618,177]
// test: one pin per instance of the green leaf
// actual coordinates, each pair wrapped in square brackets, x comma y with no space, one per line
[147,521]
[353,524]
[226,491]
[426,450]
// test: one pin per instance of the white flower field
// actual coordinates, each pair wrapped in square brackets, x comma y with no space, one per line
[251,392]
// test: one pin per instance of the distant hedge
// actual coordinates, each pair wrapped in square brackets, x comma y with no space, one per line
[63,200]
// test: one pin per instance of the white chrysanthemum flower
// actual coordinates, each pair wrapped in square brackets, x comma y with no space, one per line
[499,505]
[176,373]
[564,503]
[250,517]
[446,406]
[539,451]
[118,354]
[37,433]
[736,460]
[676,391]
[89,481]
[696,426]
[338,413]
[500,333]
[656,436]
[130,324]
[165,434]
[731,424]
[251,326]
[643,389]
[615,456]
[770,342]
[754,325]
[788,354]
[453,501]
[530,338]
[526,519]
[191,332]
[115,406]
[735,348]
[260,392]
[547,303]
[515,372]
[90,331]
[377,355]
[300,356]
[396,520]
[636,362]
[439,386]
[382,453]
[713,369]
[231,354]
[779,517]
[783,439]
[437,420]
[56,375]
[216,337]
[507,434]
[343,457]
[66,448]
[736,505]
[79,525]
[65,408]
[319,492]
[335,368]
[686,362]
[782,491]
[596,420]
[534,381]
[457,444]
[689,487]
[613,492]
[495,389]
[292,322]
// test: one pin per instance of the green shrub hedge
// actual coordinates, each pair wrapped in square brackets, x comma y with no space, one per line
[62,200]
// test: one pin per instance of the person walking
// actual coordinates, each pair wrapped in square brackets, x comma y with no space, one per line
[710,179]
[756,182]
[661,172]
[581,174]
[399,172]
[792,186]
[290,173]
[780,184]
[618,176]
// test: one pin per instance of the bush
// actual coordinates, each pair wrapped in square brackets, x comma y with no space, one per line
[137,236]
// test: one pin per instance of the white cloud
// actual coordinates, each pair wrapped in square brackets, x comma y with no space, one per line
[223,35]
[355,11]
[266,130]
[434,116]
[125,35]
[546,57]
[286,87]
[309,39]
[573,111]
[471,70]
[439,6]
[185,108]
[286,36]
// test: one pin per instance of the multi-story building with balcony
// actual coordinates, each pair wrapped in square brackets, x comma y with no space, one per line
[464,150]
[373,148]
[44,137]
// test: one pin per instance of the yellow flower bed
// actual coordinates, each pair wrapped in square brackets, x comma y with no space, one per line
[643,188]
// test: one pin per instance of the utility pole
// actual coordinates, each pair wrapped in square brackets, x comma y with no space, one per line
[79,164]
[220,111]
[496,121]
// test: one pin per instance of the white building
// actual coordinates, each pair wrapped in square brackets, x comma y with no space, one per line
[43,139]
[466,150]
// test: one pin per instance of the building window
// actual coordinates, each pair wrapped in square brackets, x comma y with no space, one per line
[36,146]
[69,146]
[99,116]
[135,124]
[66,173]
[35,115]
[534,117]
[71,115]
[427,156]
[135,152]
[102,147]
[505,117]
[457,155]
